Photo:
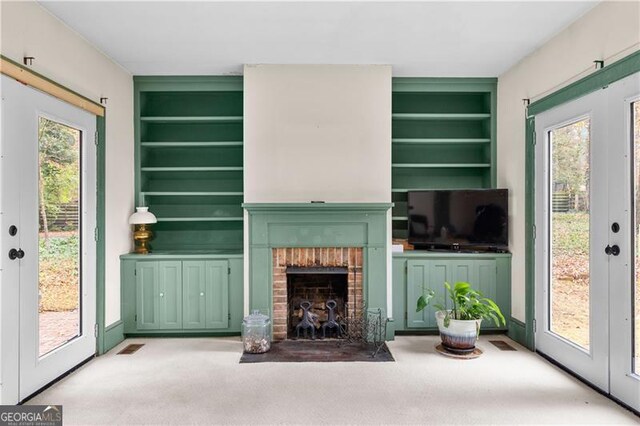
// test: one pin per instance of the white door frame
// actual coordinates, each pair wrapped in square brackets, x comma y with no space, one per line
[22,370]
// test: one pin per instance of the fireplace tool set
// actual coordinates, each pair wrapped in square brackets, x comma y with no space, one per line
[368,327]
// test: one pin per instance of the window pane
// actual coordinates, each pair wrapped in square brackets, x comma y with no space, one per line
[59,261]
[636,160]
[569,284]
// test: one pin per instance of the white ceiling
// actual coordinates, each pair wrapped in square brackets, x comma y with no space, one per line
[454,39]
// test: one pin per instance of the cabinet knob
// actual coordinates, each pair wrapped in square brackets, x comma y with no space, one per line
[201,294]
[161,294]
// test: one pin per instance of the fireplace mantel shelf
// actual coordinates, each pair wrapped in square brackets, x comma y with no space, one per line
[317,206]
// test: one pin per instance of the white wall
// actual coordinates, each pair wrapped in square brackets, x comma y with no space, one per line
[317,132]
[610,31]
[63,56]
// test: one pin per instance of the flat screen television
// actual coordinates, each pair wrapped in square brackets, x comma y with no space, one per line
[459,219]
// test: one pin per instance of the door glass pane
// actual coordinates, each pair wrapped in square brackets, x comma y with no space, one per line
[635,111]
[569,281]
[59,234]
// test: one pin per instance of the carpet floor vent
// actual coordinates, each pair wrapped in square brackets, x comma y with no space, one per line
[502,345]
[130,349]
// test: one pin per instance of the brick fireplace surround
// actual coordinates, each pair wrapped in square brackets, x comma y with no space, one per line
[350,257]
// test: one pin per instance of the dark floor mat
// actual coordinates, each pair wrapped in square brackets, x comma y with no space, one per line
[318,351]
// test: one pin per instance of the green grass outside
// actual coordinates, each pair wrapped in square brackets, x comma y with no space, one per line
[59,272]
[571,233]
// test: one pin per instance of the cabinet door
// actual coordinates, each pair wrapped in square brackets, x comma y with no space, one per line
[147,290]
[463,271]
[486,283]
[423,275]
[193,294]
[217,294]
[170,295]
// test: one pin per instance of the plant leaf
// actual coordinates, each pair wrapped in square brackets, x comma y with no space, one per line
[422,303]
[424,300]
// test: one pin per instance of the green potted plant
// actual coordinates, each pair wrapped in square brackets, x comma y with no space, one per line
[460,326]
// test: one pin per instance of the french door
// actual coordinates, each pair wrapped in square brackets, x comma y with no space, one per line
[48,200]
[588,237]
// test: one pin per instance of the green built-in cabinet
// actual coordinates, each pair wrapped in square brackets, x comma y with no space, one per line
[167,294]
[443,137]
[189,160]
[417,271]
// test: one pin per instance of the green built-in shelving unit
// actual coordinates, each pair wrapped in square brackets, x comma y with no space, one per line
[189,160]
[443,137]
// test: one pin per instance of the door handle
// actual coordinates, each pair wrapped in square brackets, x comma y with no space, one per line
[16,254]
[612,250]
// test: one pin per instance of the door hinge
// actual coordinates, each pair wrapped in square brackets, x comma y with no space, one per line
[95,330]
[535,326]
[229,317]
[95,234]
[535,232]
[406,315]
[96,139]
[229,271]
[535,138]
[135,272]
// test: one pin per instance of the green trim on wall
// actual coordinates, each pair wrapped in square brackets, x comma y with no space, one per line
[100,248]
[191,83]
[530,143]
[113,335]
[100,224]
[494,136]
[442,84]
[517,331]
[599,79]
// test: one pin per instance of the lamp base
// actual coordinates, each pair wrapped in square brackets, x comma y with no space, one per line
[141,237]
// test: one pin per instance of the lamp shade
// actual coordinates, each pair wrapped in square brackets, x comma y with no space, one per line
[142,216]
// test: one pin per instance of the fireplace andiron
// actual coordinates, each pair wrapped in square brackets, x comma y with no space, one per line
[305,323]
[331,321]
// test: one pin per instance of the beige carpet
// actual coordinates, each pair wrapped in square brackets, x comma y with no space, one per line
[199,381]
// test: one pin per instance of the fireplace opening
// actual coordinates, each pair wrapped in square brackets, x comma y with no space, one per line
[321,292]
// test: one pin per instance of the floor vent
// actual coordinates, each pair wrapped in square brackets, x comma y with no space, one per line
[129,349]
[502,345]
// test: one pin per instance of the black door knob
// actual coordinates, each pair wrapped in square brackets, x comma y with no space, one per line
[615,227]
[612,250]
[16,254]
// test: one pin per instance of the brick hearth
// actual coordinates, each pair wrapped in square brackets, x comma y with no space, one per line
[350,257]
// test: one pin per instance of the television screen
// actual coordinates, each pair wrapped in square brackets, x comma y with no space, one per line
[464,218]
